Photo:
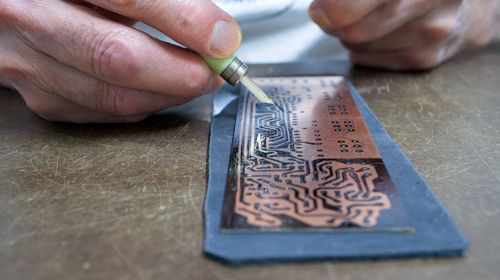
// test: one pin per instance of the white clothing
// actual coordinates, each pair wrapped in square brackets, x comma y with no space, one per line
[276,31]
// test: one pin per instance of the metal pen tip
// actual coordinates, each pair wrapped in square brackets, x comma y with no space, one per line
[256,91]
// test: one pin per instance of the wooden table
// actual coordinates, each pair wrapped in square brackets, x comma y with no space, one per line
[125,201]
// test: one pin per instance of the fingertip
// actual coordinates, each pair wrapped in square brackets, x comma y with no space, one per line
[328,14]
[319,17]
[342,13]
[225,38]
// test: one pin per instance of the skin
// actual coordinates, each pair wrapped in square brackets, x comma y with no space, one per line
[407,34]
[81,61]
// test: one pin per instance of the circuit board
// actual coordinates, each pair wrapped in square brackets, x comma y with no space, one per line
[309,162]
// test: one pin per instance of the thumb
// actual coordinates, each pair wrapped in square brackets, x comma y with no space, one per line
[197,24]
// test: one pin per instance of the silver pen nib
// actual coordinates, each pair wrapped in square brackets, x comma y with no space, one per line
[256,91]
[236,71]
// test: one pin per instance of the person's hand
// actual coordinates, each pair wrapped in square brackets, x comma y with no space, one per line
[81,61]
[406,34]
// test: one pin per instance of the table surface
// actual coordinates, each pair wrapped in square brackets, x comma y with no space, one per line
[125,201]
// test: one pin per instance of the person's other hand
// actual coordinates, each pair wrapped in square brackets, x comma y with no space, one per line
[82,61]
[406,34]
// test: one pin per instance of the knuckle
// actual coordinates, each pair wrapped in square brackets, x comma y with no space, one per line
[196,82]
[11,67]
[11,12]
[188,15]
[113,58]
[20,17]
[44,76]
[116,100]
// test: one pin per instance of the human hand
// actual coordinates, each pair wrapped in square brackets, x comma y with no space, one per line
[406,34]
[81,61]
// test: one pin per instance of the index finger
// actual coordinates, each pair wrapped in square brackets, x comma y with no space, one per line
[197,24]
[341,13]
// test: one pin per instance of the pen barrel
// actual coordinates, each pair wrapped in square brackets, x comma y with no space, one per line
[231,69]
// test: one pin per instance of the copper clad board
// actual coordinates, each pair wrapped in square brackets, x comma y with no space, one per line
[311,164]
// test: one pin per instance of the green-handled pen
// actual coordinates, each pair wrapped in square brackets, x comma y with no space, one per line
[233,71]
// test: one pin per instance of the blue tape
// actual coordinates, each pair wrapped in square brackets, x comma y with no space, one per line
[435,233]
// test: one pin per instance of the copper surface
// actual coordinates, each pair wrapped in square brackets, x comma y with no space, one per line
[314,164]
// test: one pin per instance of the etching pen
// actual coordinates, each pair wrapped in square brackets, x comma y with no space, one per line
[233,71]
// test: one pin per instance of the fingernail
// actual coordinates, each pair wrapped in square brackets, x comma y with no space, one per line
[318,16]
[225,38]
